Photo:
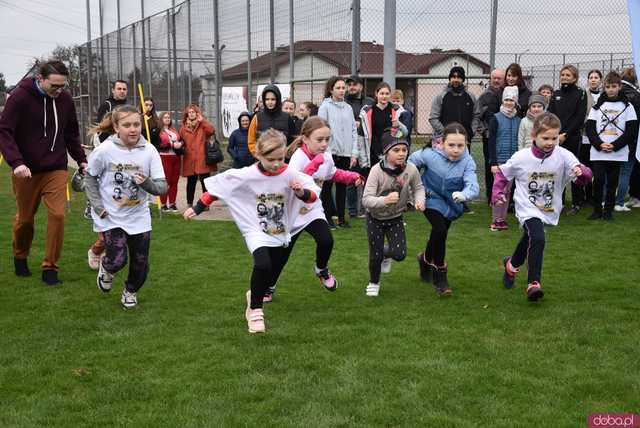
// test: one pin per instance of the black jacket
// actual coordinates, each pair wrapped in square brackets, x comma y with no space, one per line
[274,118]
[108,105]
[356,103]
[569,103]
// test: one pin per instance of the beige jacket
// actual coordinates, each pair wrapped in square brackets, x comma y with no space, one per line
[379,184]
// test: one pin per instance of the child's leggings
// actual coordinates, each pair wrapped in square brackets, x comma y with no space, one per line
[267,265]
[437,244]
[531,249]
[499,212]
[396,248]
[117,241]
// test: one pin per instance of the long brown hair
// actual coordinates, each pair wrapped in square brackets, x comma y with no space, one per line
[328,87]
[153,117]
[104,127]
[310,125]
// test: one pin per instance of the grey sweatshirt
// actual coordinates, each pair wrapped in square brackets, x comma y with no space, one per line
[379,184]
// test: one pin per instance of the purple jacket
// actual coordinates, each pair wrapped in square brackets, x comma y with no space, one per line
[32,133]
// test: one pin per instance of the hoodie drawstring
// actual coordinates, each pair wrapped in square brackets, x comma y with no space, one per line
[55,118]
[44,102]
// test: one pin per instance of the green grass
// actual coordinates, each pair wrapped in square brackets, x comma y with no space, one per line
[70,356]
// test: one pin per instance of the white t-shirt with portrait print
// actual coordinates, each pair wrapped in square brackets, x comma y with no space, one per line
[312,211]
[126,203]
[539,183]
[611,119]
[263,206]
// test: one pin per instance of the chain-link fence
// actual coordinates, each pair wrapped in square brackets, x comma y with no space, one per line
[201,51]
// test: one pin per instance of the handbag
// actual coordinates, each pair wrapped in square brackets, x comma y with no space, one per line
[213,153]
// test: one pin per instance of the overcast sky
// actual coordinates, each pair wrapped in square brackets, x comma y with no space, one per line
[535,28]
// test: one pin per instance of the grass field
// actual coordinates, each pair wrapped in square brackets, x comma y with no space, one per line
[71,356]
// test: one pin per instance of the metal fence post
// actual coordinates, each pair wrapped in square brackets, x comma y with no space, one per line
[249,82]
[190,66]
[217,49]
[272,43]
[168,60]
[291,45]
[119,42]
[175,51]
[149,67]
[389,70]
[492,39]
[355,38]
[135,74]
[143,56]
[89,55]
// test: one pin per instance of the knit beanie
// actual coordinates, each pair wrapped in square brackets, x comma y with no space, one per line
[510,93]
[457,70]
[537,98]
[389,141]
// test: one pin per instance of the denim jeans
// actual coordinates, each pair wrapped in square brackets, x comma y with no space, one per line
[623,181]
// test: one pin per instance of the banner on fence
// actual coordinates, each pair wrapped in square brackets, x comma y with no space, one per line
[233,103]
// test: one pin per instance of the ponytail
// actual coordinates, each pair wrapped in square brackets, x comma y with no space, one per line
[297,143]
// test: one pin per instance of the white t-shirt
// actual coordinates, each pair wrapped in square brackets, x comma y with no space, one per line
[539,183]
[313,211]
[263,206]
[619,114]
[126,202]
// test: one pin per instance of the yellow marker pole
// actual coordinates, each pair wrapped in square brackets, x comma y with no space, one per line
[68,198]
[146,127]
[1,159]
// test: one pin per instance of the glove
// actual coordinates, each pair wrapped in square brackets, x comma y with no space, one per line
[458,197]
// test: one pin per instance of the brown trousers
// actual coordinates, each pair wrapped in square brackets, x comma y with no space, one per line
[50,187]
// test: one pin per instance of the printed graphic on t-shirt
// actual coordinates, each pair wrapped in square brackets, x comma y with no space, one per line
[540,187]
[270,208]
[610,122]
[125,189]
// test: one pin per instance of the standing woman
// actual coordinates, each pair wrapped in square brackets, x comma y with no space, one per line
[594,81]
[375,119]
[343,145]
[569,103]
[513,77]
[152,119]
[170,150]
[195,133]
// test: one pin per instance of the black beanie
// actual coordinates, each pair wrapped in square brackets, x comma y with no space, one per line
[457,70]
[388,141]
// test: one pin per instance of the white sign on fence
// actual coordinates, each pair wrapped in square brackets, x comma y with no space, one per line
[233,103]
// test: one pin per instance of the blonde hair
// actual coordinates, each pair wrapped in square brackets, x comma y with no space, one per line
[105,126]
[397,94]
[122,111]
[270,141]
[545,122]
[310,125]
[572,69]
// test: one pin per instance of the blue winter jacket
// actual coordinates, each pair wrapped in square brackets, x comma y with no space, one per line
[441,177]
[503,138]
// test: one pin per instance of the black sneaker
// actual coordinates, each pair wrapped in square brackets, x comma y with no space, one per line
[596,215]
[574,210]
[534,291]
[343,224]
[607,216]
[332,225]
[426,269]
[50,277]
[21,267]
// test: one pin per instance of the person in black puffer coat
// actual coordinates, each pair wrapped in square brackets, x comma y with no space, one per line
[271,116]
[238,147]
[569,103]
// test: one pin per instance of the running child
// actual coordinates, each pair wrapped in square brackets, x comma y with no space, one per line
[122,173]
[391,185]
[310,155]
[541,173]
[262,200]
[449,177]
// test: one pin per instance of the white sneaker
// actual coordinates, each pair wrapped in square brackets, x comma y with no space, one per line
[621,208]
[255,317]
[633,203]
[129,300]
[385,266]
[94,259]
[373,290]
[104,280]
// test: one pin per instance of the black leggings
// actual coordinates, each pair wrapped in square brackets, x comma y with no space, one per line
[267,265]
[192,180]
[396,249]
[609,171]
[341,162]
[488,175]
[117,242]
[319,230]
[531,249]
[437,243]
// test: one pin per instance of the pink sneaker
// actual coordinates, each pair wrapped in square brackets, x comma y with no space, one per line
[268,298]
[534,291]
[327,279]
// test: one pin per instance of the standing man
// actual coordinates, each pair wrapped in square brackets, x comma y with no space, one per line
[118,97]
[356,99]
[38,127]
[488,105]
[454,104]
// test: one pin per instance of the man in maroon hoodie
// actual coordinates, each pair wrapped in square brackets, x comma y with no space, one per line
[37,128]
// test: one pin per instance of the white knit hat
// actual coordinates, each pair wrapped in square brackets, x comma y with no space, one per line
[510,93]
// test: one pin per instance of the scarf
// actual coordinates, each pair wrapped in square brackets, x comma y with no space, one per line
[509,112]
[191,124]
[392,171]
